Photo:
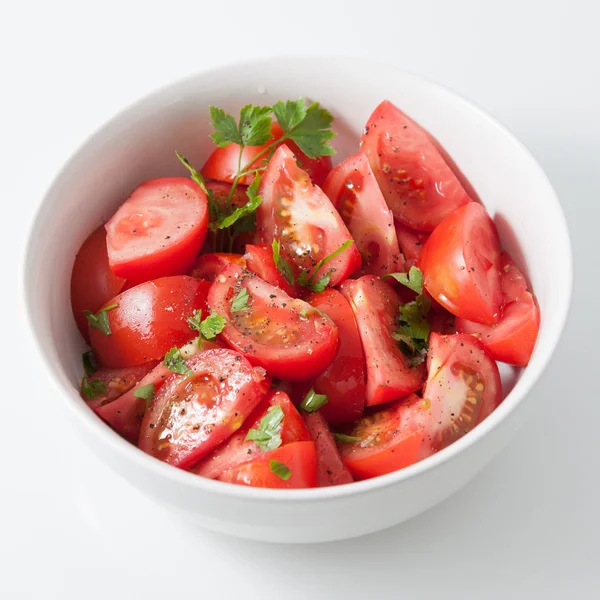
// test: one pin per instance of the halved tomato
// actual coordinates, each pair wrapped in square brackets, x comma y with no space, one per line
[417,184]
[208,266]
[330,468]
[149,320]
[343,382]
[302,218]
[193,414]
[271,329]
[259,260]
[159,230]
[461,265]
[513,338]
[353,189]
[411,243]
[463,387]
[222,164]
[238,450]
[387,440]
[291,466]
[389,372]
[92,281]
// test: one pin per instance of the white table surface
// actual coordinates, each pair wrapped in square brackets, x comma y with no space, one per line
[527,527]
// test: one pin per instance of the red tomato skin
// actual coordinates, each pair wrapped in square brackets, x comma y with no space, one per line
[149,320]
[259,260]
[237,450]
[400,424]
[92,281]
[208,266]
[314,342]
[461,265]
[513,338]
[302,218]
[299,457]
[203,425]
[389,375]
[343,382]
[159,230]
[417,184]
[411,243]
[354,191]
[330,467]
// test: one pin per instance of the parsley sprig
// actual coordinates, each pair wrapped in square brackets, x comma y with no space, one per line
[175,362]
[412,280]
[208,328]
[100,319]
[268,434]
[318,285]
[313,401]
[413,329]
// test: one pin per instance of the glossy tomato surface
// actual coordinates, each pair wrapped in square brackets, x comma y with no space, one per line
[354,191]
[389,373]
[461,265]
[303,219]
[159,230]
[92,281]
[259,260]
[417,184]
[149,320]
[343,382]
[192,414]
[272,330]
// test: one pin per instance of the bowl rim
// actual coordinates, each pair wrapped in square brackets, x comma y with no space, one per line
[96,427]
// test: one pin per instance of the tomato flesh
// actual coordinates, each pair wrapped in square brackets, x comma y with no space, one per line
[417,184]
[354,191]
[92,281]
[237,449]
[158,231]
[192,415]
[513,338]
[330,467]
[303,219]
[461,265]
[149,320]
[389,439]
[411,243]
[208,266]
[389,373]
[343,382]
[300,458]
[259,260]
[273,330]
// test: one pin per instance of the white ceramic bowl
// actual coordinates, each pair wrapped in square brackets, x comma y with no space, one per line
[140,144]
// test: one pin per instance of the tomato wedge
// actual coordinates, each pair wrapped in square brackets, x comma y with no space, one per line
[513,338]
[259,260]
[208,266]
[296,463]
[417,184]
[192,415]
[237,449]
[330,467]
[149,320]
[354,191]
[343,382]
[411,243]
[159,230]
[461,265]
[463,387]
[272,330]
[92,281]
[389,373]
[303,219]
[388,439]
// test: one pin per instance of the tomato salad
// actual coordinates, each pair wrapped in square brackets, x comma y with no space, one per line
[274,321]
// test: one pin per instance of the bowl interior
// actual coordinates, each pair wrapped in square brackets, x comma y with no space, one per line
[140,144]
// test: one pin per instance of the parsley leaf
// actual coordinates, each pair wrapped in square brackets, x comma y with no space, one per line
[240,302]
[92,389]
[226,129]
[279,469]
[313,401]
[146,392]
[342,438]
[176,363]
[254,201]
[255,125]
[413,329]
[212,326]
[323,282]
[268,434]
[413,279]
[100,319]
[283,266]
[195,320]
[89,362]
[313,133]
[289,114]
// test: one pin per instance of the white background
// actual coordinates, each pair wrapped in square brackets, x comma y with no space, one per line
[527,527]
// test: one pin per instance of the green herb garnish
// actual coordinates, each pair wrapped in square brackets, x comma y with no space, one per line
[100,319]
[93,389]
[176,363]
[146,392]
[413,329]
[320,284]
[283,266]
[89,362]
[208,328]
[240,302]
[413,279]
[268,434]
[279,469]
[313,401]
[342,438]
